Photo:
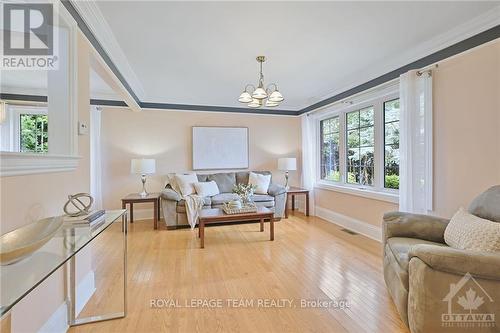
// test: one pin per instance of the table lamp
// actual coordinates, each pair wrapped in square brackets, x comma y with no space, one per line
[143,166]
[287,164]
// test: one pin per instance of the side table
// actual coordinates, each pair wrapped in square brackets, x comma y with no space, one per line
[292,192]
[133,198]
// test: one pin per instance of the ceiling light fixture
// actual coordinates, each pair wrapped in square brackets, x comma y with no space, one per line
[255,97]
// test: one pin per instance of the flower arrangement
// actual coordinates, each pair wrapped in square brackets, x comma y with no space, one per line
[244,191]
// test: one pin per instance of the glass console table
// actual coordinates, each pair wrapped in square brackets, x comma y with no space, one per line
[19,279]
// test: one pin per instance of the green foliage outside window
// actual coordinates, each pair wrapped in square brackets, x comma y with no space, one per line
[34,133]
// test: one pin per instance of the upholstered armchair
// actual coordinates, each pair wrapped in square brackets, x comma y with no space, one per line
[425,276]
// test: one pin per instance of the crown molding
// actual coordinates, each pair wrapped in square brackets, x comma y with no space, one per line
[95,21]
[482,29]
[477,25]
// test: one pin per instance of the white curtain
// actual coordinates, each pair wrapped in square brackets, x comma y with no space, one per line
[415,189]
[95,156]
[308,157]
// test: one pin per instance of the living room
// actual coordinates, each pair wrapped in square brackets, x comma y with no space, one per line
[134,174]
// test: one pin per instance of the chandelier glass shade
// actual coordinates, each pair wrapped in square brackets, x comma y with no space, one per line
[257,97]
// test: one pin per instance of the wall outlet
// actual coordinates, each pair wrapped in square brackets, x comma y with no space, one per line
[83,128]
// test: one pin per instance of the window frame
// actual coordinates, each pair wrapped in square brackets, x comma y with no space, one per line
[377,191]
[66,128]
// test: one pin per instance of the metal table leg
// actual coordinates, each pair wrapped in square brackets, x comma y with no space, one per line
[71,278]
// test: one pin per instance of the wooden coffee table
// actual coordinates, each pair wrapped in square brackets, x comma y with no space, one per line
[217,215]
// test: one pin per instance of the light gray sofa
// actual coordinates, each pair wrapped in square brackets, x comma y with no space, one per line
[420,269]
[174,207]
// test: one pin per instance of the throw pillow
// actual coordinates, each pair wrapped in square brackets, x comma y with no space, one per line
[206,189]
[469,232]
[185,183]
[261,182]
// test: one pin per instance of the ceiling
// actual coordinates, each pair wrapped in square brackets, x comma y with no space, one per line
[203,53]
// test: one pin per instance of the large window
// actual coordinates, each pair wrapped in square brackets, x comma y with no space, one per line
[359,144]
[330,157]
[391,144]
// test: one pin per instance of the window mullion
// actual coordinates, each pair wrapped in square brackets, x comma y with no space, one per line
[343,147]
[379,145]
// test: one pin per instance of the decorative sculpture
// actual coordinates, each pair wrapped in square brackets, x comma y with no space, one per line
[79,207]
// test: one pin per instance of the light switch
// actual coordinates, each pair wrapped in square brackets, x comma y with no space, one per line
[83,128]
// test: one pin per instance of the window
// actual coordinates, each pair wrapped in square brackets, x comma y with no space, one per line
[330,157]
[391,144]
[33,133]
[360,146]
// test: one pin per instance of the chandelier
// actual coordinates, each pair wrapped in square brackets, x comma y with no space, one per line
[257,97]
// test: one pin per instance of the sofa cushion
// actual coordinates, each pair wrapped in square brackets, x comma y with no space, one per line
[261,198]
[261,182]
[206,189]
[202,178]
[225,181]
[221,198]
[207,201]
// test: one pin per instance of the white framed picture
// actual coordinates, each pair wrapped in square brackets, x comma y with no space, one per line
[220,148]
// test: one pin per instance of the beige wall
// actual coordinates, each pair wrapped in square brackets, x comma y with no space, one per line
[466,101]
[466,127]
[26,199]
[166,136]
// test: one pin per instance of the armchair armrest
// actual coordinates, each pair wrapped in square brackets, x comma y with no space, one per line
[447,259]
[275,189]
[169,194]
[399,224]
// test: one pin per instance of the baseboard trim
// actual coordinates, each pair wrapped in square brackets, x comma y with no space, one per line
[58,322]
[350,223]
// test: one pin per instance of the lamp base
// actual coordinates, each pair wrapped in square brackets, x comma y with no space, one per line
[144,193]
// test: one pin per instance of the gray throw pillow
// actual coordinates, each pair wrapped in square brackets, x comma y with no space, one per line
[225,181]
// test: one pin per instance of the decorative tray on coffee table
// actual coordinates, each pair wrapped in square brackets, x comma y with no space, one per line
[246,208]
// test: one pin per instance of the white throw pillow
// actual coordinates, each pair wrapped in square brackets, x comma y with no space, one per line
[185,183]
[260,181]
[469,232]
[206,189]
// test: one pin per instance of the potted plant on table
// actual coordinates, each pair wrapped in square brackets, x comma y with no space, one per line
[245,192]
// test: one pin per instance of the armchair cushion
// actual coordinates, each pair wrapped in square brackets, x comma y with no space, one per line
[400,248]
[487,204]
[399,224]
[447,259]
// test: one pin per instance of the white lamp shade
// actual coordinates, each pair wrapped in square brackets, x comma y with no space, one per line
[276,97]
[143,166]
[287,164]
[255,103]
[245,97]
[259,93]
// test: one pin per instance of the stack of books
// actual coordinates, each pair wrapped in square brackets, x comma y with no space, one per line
[91,219]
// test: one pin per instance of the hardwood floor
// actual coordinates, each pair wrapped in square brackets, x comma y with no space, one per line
[309,259]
